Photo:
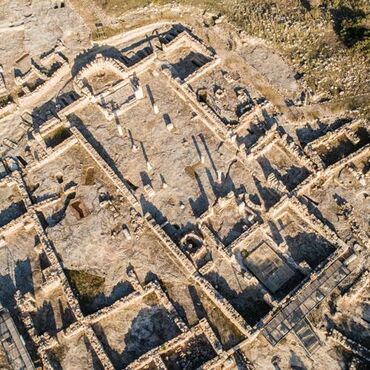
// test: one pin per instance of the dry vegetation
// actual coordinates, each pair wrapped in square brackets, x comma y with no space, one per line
[118,7]
[327,41]
[87,285]
[175,192]
[4,364]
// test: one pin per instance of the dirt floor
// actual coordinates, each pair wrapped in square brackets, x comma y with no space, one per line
[134,331]
[160,146]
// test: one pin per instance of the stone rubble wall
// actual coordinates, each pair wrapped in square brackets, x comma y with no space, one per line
[188,95]
[330,137]
[248,116]
[3,89]
[167,304]
[106,168]
[160,365]
[203,70]
[237,243]
[350,344]
[277,135]
[54,153]
[38,207]
[98,349]
[361,284]
[174,250]
[324,230]
[9,108]
[18,179]
[202,327]
[223,304]
[270,138]
[31,98]
[15,224]
[21,80]
[215,241]
[206,268]
[212,294]
[100,62]
[288,143]
[110,115]
[118,305]
[330,170]
[148,357]
[186,38]
[333,135]
[318,271]
[211,336]
[56,122]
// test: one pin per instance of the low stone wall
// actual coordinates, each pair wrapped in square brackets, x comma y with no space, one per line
[33,97]
[172,248]
[351,345]
[106,168]
[223,304]
[203,70]
[303,187]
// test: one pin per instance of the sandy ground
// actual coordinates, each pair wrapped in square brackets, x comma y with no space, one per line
[177,175]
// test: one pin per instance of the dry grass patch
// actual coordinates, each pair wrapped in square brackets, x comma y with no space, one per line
[86,285]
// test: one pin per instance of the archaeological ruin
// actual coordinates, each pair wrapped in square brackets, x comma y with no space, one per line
[162,207]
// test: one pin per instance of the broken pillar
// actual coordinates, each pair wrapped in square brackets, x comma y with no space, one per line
[168,122]
[155,108]
[119,129]
[219,176]
[170,126]
[139,94]
[126,232]
[149,190]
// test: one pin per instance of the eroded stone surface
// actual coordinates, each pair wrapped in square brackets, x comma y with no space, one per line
[160,209]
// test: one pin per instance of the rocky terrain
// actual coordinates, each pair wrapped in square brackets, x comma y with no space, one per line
[184,185]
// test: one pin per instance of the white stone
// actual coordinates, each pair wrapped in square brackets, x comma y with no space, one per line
[219,176]
[155,108]
[170,126]
[126,233]
[139,94]
[149,190]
